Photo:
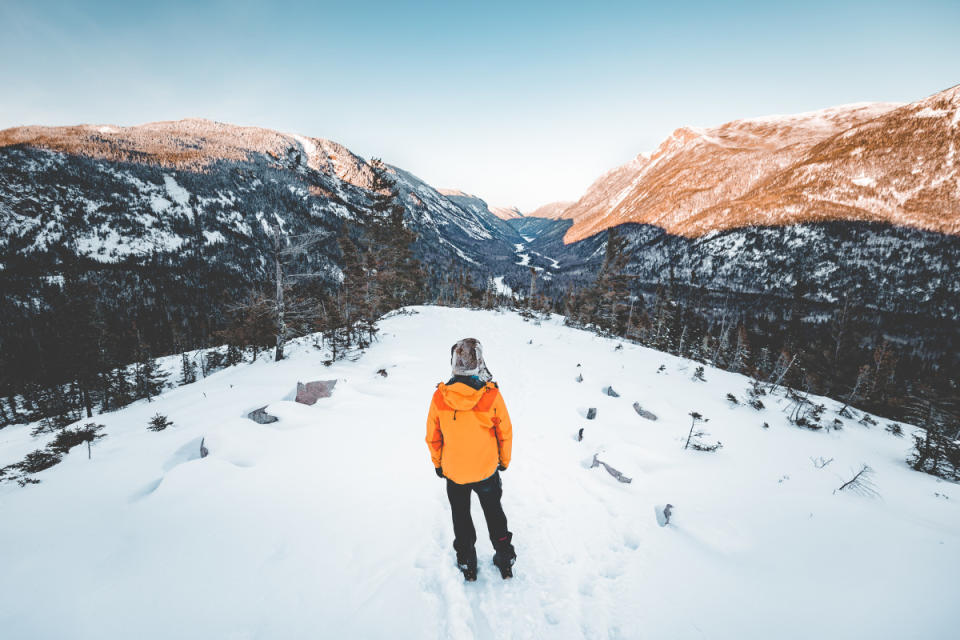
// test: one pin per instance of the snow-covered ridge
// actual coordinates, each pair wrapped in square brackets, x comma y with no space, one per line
[791,169]
[278,532]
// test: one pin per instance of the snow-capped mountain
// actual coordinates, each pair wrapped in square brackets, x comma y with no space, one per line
[875,162]
[860,198]
[121,193]
[330,521]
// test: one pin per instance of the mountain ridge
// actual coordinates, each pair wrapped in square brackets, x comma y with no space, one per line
[789,169]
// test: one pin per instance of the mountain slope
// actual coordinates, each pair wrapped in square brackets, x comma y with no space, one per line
[332,519]
[885,163]
[93,187]
[552,210]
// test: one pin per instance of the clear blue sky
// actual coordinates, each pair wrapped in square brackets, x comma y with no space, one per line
[520,103]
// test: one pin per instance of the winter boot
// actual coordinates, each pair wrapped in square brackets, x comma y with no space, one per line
[467,563]
[505,555]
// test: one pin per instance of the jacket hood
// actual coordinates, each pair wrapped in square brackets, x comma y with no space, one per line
[460,396]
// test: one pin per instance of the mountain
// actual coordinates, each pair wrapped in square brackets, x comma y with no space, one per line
[116,193]
[158,236]
[886,163]
[552,210]
[860,201]
[478,204]
[759,521]
[507,213]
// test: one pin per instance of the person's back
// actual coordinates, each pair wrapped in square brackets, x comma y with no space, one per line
[470,438]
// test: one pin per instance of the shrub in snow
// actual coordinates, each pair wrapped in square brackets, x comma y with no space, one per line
[159,422]
[42,459]
[766,425]
[662,368]
[820,462]
[936,448]
[861,483]
[698,374]
[67,439]
[33,462]
[694,435]
[702,446]
[754,391]
[732,399]
[895,429]
[38,460]
[867,421]
[382,373]
[580,435]
[580,377]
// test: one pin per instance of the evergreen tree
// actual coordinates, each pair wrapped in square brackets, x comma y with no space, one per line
[148,379]
[188,369]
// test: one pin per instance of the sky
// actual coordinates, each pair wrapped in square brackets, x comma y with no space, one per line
[521,103]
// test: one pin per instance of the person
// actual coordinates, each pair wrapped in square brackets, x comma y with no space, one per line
[470,439]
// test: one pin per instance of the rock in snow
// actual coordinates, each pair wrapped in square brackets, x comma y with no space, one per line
[643,413]
[310,392]
[616,474]
[663,513]
[260,416]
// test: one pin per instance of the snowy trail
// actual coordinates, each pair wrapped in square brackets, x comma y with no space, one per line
[331,522]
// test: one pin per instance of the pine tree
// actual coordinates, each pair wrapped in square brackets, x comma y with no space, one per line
[740,362]
[159,422]
[188,369]
[148,379]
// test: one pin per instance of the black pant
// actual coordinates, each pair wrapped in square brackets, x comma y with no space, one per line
[465,536]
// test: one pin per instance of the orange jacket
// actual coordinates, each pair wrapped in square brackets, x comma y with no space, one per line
[468,431]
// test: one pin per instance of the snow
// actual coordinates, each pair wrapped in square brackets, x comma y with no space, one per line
[177,193]
[308,146]
[331,523]
[524,257]
[502,288]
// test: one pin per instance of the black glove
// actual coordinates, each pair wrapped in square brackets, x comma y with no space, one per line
[439,471]
[500,467]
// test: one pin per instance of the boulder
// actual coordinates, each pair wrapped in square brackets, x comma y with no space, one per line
[260,416]
[591,413]
[308,393]
[610,392]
